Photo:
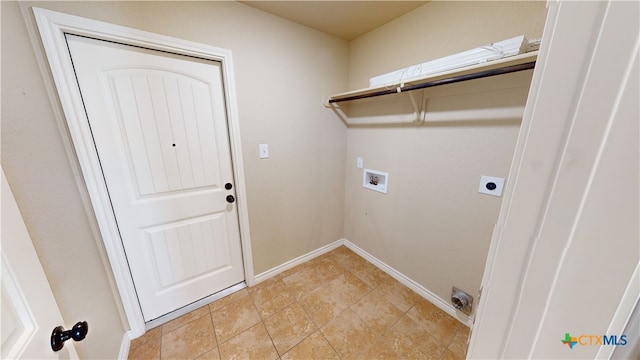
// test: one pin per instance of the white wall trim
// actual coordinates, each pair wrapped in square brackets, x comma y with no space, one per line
[623,313]
[403,279]
[52,27]
[125,346]
[408,282]
[297,261]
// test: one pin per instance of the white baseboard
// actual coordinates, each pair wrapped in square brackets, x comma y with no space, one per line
[297,261]
[406,281]
[403,279]
[125,346]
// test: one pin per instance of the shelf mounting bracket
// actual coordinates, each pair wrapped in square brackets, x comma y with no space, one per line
[420,107]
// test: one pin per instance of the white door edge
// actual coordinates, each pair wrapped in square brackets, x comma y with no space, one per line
[29,309]
[52,26]
[623,317]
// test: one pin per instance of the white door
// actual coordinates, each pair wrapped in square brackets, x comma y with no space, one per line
[159,124]
[29,310]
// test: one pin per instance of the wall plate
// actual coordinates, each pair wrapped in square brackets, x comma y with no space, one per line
[491,185]
[264,151]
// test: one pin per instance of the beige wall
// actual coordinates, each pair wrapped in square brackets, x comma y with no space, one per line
[437,29]
[433,225]
[282,71]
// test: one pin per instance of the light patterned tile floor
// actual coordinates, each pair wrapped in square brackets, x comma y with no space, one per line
[336,306]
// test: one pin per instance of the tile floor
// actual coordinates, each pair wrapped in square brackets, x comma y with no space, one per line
[336,306]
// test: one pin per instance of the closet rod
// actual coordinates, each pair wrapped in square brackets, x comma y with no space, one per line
[451,80]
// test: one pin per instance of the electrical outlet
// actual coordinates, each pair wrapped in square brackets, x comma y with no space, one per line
[491,185]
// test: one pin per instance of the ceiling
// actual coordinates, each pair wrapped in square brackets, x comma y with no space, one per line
[345,19]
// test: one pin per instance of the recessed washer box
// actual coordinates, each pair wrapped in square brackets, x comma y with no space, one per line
[375,180]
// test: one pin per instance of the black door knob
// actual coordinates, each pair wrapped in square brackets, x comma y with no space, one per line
[228,186]
[230,198]
[59,335]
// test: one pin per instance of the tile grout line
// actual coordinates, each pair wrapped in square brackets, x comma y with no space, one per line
[345,272]
[318,327]
[450,342]
[215,336]
[389,327]
[336,260]
[297,301]
[263,324]
[405,313]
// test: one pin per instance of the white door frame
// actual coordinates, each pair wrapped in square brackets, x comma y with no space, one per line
[53,26]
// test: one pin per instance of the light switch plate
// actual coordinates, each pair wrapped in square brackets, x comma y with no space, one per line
[359,162]
[491,185]
[264,151]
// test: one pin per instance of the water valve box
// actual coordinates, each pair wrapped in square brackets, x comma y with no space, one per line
[375,180]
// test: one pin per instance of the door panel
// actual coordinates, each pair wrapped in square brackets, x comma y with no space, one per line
[158,110]
[159,124]
[174,244]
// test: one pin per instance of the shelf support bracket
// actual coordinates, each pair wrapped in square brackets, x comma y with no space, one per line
[419,108]
[338,111]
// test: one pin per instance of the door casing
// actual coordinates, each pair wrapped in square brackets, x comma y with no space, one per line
[52,26]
